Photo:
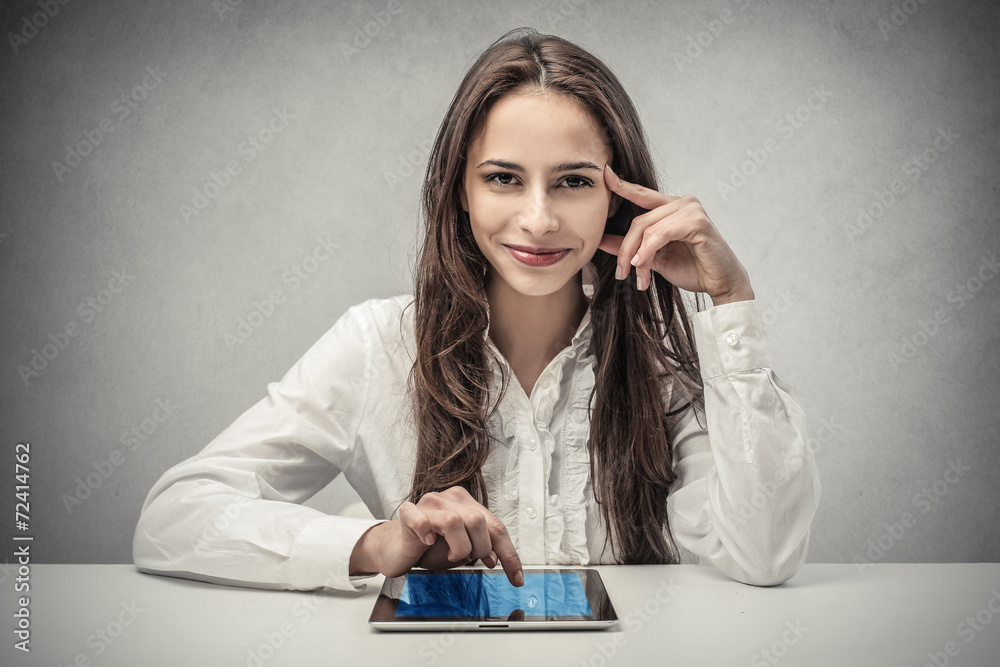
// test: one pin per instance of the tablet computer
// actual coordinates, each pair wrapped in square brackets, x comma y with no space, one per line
[484,599]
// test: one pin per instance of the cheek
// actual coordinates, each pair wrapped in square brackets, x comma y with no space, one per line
[486,221]
[591,218]
[482,218]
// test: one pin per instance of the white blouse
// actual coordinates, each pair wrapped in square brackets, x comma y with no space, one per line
[746,492]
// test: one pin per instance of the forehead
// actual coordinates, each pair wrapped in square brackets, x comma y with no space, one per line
[536,125]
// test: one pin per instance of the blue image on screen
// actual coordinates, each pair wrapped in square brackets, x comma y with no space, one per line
[490,594]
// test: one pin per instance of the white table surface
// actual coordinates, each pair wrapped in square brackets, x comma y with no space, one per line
[891,614]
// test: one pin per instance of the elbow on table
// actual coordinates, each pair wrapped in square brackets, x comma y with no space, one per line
[146,555]
[143,553]
[765,577]
[774,572]
[149,559]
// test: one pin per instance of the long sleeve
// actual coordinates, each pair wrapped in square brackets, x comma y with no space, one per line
[747,488]
[231,513]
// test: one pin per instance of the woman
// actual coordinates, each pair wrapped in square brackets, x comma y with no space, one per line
[537,403]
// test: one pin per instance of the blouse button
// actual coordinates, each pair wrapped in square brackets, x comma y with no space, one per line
[531,445]
[531,512]
[545,382]
[733,338]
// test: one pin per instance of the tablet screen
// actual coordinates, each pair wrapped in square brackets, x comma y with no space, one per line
[489,594]
[484,599]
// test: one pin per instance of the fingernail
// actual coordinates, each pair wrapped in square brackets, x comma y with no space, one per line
[635,260]
[618,272]
[429,539]
[519,578]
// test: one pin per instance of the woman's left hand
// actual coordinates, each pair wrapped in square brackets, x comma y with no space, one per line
[676,239]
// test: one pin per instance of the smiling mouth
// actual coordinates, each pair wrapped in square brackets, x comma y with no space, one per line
[541,257]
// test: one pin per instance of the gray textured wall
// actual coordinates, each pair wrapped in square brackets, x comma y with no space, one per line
[886,326]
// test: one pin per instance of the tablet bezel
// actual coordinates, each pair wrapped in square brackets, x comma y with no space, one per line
[383,613]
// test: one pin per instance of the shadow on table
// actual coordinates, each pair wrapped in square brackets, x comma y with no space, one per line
[807,578]
[192,580]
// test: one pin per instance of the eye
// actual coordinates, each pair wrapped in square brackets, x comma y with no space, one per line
[503,179]
[499,179]
[578,182]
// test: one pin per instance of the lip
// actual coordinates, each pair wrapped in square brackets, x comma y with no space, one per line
[536,256]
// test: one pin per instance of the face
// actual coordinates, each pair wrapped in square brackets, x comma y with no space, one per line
[534,190]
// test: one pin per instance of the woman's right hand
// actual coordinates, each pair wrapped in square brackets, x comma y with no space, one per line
[443,530]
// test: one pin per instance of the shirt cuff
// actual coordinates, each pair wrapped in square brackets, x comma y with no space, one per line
[321,554]
[730,338]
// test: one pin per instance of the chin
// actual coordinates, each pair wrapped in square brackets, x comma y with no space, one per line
[537,290]
[536,285]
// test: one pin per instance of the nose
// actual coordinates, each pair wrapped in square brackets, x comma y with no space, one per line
[536,217]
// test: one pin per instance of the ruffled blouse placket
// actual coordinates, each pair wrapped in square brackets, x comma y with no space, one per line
[546,525]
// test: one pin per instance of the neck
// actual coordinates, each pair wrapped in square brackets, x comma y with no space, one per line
[531,330]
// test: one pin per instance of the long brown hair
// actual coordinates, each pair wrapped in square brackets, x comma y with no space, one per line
[641,339]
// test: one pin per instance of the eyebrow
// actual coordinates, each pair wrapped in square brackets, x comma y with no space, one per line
[565,166]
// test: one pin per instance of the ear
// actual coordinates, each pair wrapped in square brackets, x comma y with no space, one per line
[462,197]
[613,205]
